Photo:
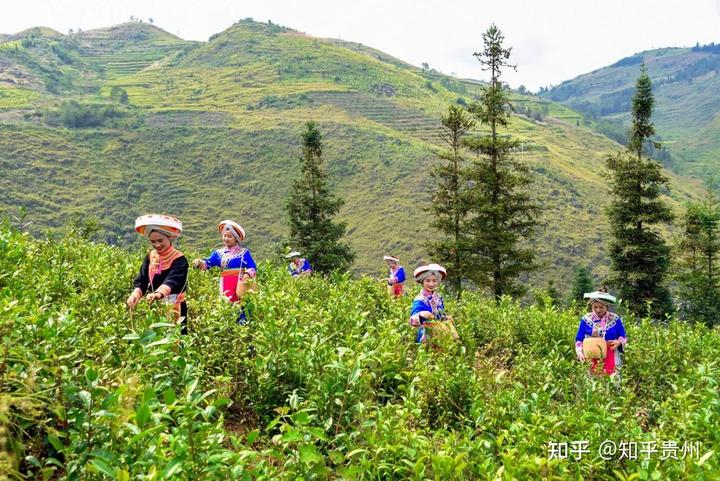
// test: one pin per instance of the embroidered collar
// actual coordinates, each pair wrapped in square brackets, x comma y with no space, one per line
[228,254]
[592,320]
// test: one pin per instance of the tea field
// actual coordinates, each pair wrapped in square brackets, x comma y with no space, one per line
[325,382]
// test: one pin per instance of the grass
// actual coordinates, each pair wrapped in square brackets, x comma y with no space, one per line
[16,98]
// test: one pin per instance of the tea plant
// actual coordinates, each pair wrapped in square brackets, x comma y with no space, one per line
[324,382]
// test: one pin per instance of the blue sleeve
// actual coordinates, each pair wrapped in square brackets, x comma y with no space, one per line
[621,328]
[617,331]
[306,266]
[249,263]
[400,275]
[214,260]
[580,336]
[419,306]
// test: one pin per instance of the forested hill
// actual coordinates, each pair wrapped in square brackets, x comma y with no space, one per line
[686,82]
[116,122]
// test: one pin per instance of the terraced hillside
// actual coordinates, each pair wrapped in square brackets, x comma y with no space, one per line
[211,130]
[686,82]
[128,48]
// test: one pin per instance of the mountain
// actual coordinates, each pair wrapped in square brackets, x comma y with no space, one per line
[686,82]
[116,122]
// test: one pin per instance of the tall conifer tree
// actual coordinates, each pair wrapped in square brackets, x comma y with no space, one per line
[311,208]
[501,211]
[639,255]
[448,204]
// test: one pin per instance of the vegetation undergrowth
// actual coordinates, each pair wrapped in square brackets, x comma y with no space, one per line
[325,382]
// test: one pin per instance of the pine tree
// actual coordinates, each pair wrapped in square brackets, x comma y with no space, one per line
[501,211]
[311,208]
[639,255]
[582,283]
[448,205]
[642,129]
[698,255]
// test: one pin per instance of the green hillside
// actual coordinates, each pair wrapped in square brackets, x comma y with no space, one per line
[211,130]
[686,82]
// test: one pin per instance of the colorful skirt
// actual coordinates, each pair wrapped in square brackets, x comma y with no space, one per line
[228,283]
[607,366]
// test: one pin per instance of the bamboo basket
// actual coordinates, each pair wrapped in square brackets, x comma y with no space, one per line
[595,348]
[442,328]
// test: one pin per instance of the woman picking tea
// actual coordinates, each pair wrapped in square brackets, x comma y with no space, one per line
[601,335]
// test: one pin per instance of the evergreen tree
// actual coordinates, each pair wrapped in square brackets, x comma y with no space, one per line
[501,213]
[697,274]
[642,129]
[548,297]
[448,205]
[311,208]
[639,255]
[582,283]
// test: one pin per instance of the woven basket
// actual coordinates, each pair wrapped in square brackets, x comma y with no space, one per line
[442,328]
[595,348]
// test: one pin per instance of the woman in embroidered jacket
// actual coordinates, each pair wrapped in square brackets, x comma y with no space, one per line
[428,305]
[600,322]
[163,274]
[298,266]
[396,280]
[238,266]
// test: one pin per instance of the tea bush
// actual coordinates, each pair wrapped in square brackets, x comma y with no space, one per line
[324,382]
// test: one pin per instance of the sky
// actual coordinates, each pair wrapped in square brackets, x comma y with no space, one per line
[551,40]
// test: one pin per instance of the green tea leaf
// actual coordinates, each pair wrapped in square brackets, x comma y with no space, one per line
[309,454]
[142,415]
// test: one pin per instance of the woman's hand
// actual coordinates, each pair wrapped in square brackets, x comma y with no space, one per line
[198,264]
[612,345]
[132,301]
[154,296]
[579,353]
[134,298]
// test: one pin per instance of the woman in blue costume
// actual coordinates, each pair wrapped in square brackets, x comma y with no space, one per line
[427,313]
[237,266]
[396,279]
[602,324]
[298,266]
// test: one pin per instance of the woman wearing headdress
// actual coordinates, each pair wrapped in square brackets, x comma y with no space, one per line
[298,266]
[396,279]
[237,266]
[163,274]
[427,313]
[601,335]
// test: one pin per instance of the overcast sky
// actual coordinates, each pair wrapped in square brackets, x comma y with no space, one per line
[552,40]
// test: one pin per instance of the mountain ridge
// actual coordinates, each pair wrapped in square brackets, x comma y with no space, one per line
[687,107]
[211,130]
